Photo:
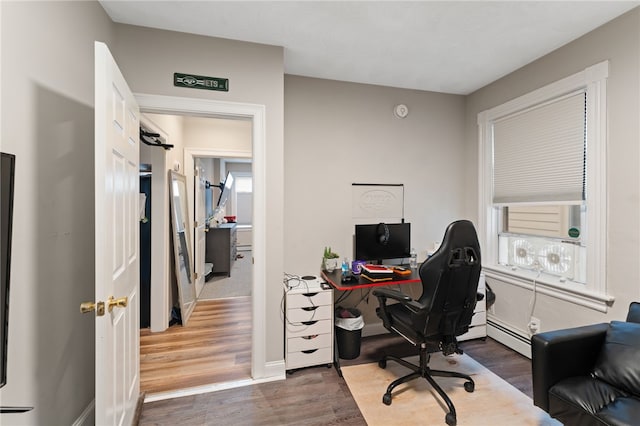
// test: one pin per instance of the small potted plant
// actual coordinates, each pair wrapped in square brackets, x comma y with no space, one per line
[330,259]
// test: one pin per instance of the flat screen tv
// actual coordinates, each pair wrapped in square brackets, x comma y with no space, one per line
[225,190]
[7,172]
[382,241]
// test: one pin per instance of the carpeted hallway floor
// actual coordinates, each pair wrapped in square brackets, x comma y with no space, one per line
[238,284]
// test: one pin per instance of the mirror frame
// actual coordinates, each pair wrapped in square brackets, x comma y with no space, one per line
[187,301]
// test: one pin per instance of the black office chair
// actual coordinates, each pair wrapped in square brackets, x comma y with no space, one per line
[443,311]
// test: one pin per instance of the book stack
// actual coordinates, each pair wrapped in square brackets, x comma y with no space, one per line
[376,273]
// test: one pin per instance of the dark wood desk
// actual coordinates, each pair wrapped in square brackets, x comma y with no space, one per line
[334,279]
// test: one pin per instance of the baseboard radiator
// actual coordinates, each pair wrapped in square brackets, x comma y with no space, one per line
[509,336]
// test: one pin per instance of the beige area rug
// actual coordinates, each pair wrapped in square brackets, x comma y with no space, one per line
[494,401]
[237,285]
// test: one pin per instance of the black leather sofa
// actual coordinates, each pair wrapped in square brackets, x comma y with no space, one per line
[589,375]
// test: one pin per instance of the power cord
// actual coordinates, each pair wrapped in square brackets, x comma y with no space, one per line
[534,296]
[290,282]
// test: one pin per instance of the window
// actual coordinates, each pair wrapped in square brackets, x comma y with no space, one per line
[542,182]
[244,183]
[544,238]
[244,198]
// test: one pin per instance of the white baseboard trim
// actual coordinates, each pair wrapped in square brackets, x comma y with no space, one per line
[87,416]
[273,371]
[214,387]
[509,337]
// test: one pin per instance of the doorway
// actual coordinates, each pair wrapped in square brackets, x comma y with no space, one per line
[214,346]
[255,113]
[223,240]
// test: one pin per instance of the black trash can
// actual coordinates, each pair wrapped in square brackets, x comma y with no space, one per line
[348,329]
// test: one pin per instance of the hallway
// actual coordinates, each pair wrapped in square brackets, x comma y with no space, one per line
[214,347]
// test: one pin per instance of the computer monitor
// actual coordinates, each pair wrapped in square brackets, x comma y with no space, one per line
[382,241]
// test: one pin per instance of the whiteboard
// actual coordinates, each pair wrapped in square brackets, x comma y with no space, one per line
[378,202]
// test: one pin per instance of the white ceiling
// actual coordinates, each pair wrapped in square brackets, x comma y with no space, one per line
[443,46]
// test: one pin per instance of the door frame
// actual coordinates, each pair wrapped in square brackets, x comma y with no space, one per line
[160,220]
[189,165]
[161,104]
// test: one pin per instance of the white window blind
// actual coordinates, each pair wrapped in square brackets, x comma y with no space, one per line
[539,154]
[244,184]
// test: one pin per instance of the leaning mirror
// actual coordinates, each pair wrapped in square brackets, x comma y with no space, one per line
[182,244]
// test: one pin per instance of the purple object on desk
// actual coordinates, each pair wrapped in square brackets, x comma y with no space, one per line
[356,266]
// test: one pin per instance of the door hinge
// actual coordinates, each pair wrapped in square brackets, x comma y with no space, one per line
[196,172]
[196,275]
[195,224]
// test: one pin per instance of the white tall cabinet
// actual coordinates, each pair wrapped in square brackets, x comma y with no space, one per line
[308,325]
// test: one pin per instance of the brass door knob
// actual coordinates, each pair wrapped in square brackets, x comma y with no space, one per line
[118,303]
[87,307]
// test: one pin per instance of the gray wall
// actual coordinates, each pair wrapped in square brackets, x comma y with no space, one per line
[338,133]
[148,58]
[619,42]
[218,133]
[47,122]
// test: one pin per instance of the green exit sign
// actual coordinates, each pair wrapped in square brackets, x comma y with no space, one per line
[200,82]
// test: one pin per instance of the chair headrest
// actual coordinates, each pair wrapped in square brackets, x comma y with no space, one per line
[459,248]
[461,236]
[462,256]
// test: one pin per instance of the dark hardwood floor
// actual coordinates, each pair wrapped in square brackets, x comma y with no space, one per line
[317,395]
[513,367]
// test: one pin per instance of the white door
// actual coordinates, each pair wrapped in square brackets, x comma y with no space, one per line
[116,243]
[199,219]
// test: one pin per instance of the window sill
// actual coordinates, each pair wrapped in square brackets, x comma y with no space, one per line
[567,291]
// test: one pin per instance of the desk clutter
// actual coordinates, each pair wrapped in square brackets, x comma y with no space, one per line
[351,280]
[379,273]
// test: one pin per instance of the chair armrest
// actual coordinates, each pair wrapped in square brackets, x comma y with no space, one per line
[557,355]
[391,294]
[383,293]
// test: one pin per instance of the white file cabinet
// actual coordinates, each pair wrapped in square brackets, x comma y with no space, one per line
[308,326]
[478,328]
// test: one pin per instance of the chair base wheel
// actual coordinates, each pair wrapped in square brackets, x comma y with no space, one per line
[469,386]
[382,363]
[450,419]
[386,399]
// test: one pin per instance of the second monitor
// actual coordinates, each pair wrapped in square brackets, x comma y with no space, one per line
[382,241]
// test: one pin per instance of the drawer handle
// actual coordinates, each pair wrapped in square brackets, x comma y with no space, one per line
[309,322]
[310,308]
[310,351]
[309,294]
[313,336]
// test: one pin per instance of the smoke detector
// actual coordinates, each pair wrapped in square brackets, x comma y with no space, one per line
[401,111]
